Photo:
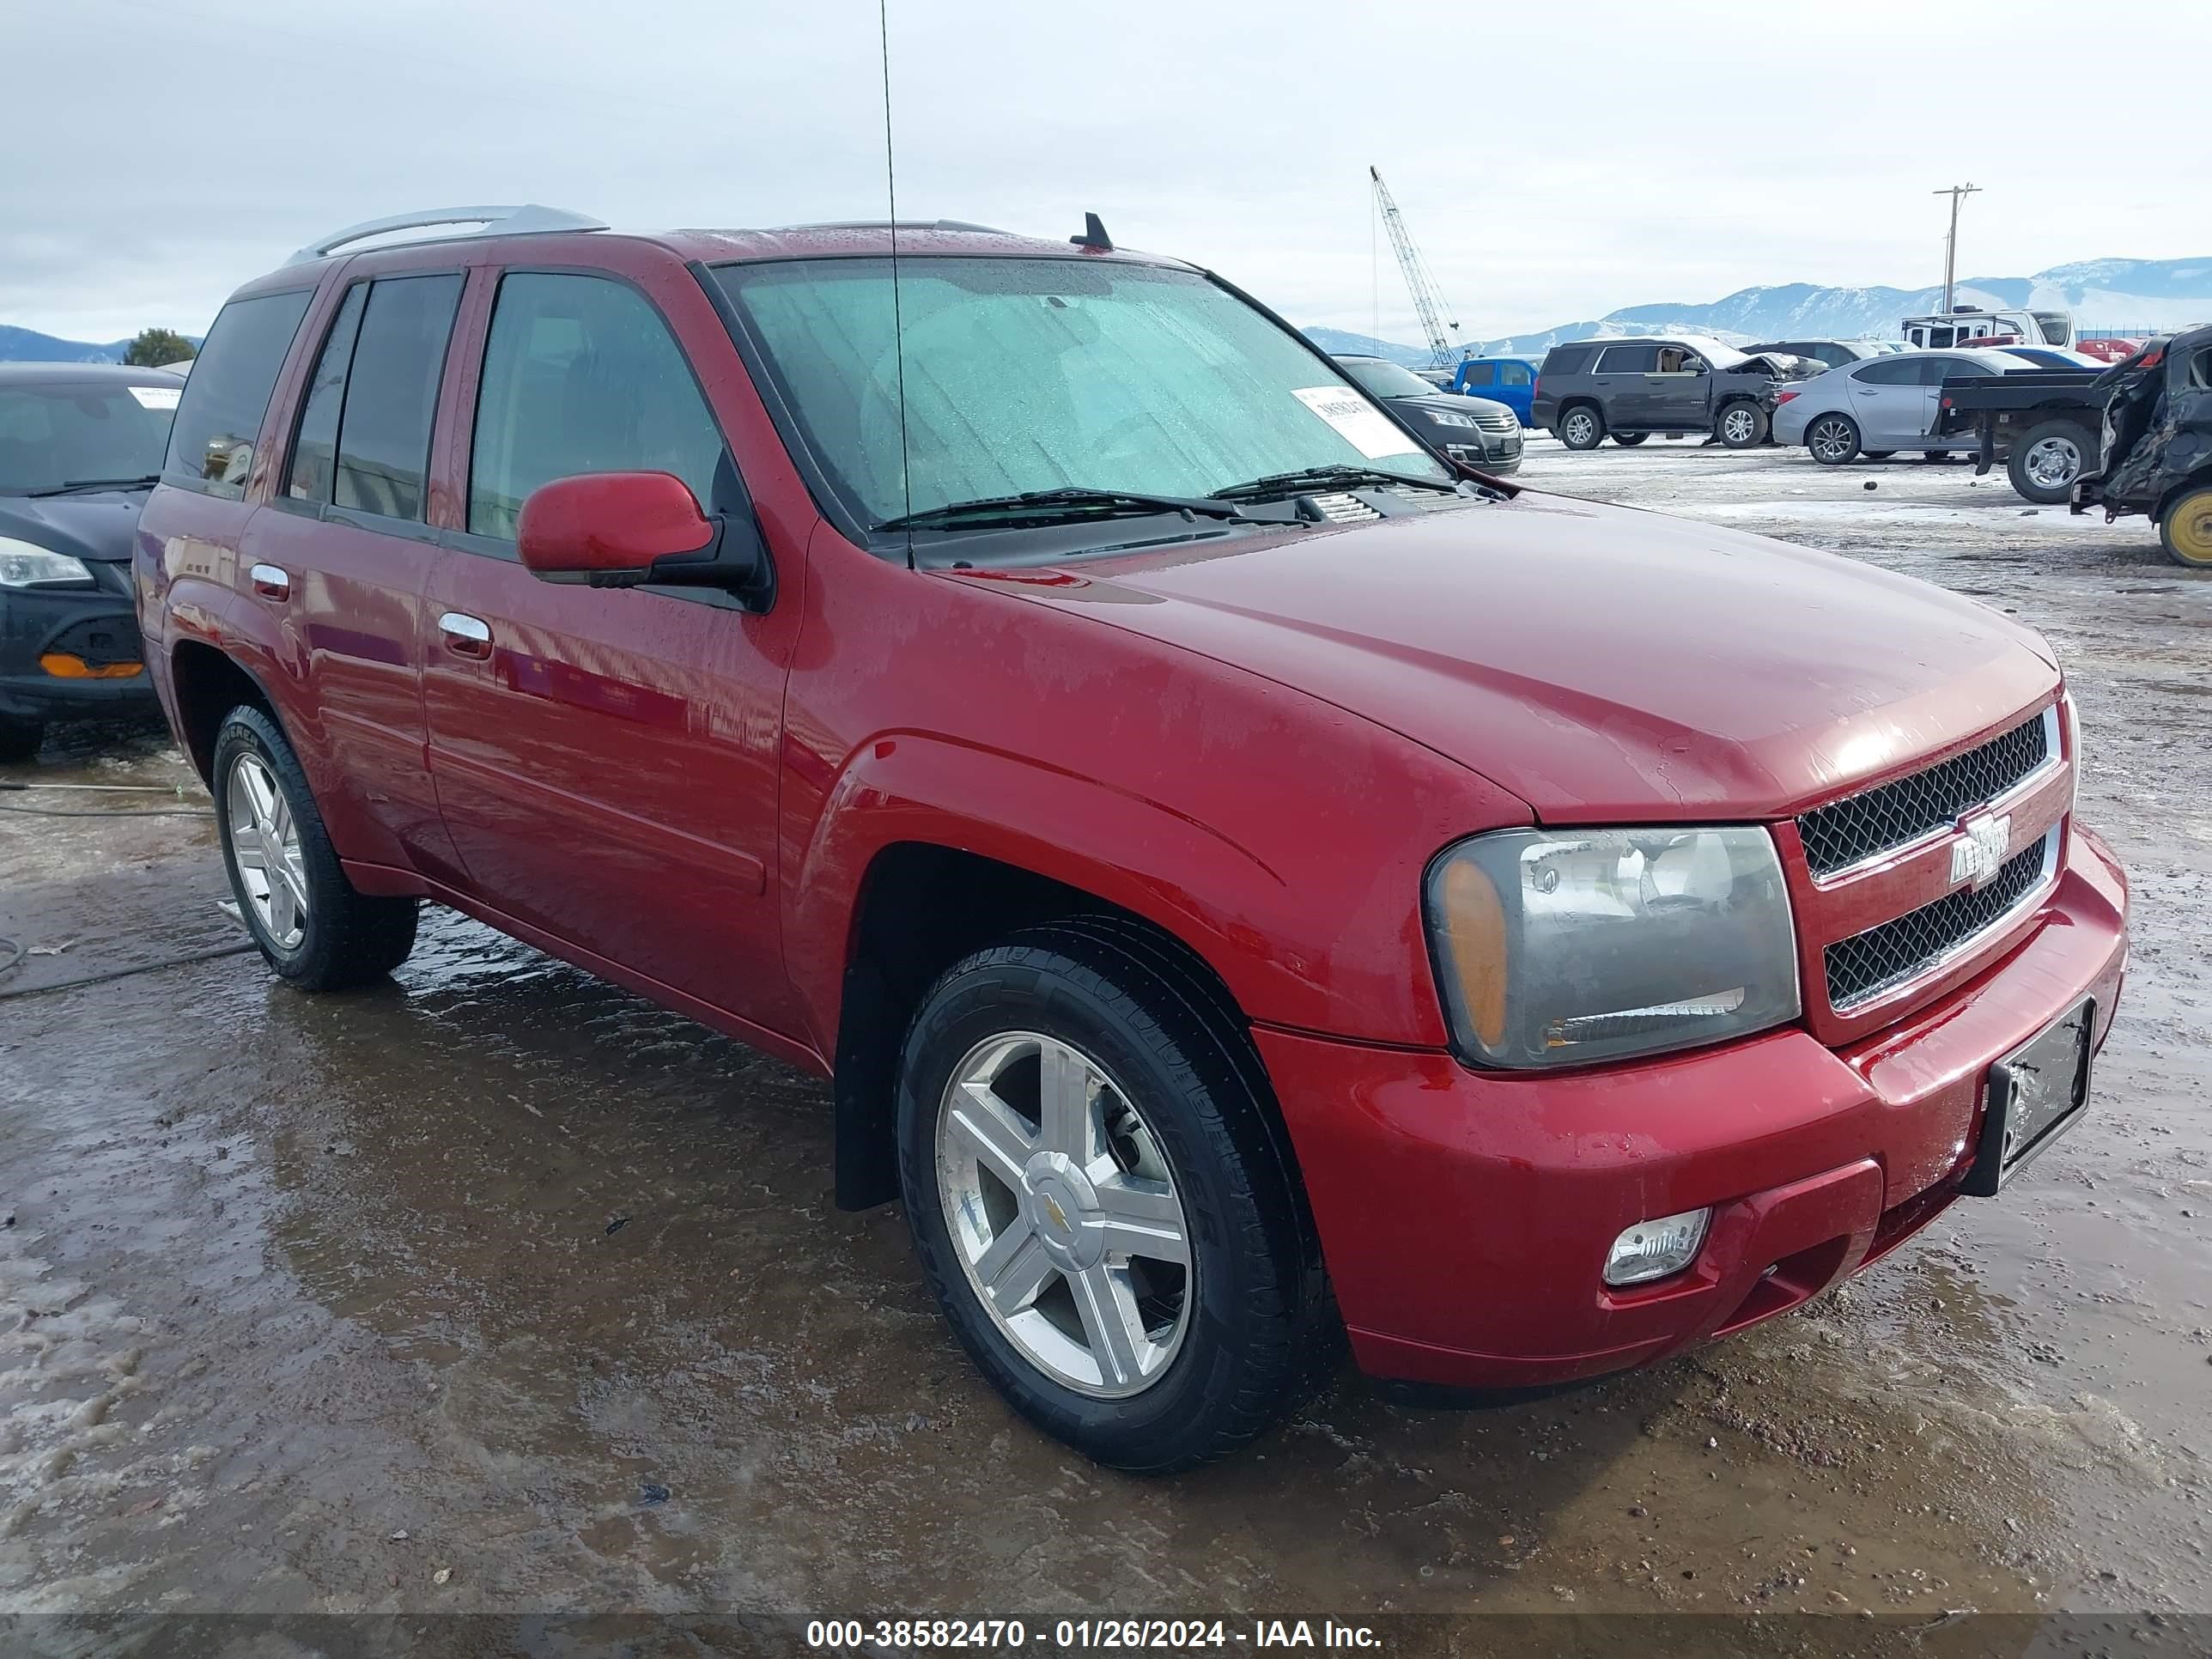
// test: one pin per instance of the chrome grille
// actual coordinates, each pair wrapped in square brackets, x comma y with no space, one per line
[1880,820]
[1503,420]
[1865,966]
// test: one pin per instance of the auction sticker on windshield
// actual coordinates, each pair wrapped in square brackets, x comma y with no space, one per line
[1362,425]
[157,397]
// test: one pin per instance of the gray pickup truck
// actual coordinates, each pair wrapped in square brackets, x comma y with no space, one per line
[1633,388]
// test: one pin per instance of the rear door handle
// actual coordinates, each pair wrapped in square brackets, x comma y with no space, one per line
[271,581]
[466,635]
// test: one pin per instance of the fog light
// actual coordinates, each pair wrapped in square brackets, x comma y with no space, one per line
[1653,1249]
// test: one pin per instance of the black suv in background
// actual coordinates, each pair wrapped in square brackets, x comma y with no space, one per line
[1633,388]
[80,444]
[1476,430]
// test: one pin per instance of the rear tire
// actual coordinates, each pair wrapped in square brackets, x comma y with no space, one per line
[1740,426]
[1581,427]
[2185,529]
[1833,439]
[314,929]
[20,740]
[1164,1114]
[2046,460]
[1629,440]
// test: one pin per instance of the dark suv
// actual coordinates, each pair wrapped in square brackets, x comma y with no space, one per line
[1633,388]
[1251,879]
[80,444]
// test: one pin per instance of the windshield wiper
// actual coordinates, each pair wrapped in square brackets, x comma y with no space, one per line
[1334,477]
[146,482]
[1064,506]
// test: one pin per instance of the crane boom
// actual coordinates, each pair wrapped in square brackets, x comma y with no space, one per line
[1428,302]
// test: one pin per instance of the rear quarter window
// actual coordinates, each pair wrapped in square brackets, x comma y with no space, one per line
[1568,359]
[227,394]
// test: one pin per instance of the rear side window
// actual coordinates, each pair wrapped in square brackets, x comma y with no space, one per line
[1890,370]
[1629,360]
[315,449]
[581,375]
[1568,359]
[219,418]
[391,395]
[1513,374]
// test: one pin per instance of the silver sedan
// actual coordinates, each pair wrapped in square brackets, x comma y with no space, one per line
[1879,406]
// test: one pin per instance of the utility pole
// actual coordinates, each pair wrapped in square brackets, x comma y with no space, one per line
[1957,193]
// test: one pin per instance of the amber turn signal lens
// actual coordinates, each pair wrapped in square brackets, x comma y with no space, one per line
[1474,934]
[62,666]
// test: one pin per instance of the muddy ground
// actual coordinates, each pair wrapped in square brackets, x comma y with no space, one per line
[500,1291]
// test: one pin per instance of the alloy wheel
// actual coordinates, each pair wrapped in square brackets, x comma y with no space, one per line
[1064,1214]
[1736,425]
[1830,439]
[2053,463]
[265,844]
[1579,428]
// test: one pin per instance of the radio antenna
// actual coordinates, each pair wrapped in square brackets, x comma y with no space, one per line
[898,323]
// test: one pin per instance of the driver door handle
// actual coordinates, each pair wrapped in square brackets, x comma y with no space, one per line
[467,635]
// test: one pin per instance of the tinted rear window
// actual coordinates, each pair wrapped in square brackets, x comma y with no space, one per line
[219,418]
[1629,360]
[1568,359]
[391,393]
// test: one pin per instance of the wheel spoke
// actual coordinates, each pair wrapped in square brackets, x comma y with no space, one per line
[1142,1217]
[1064,1095]
[246,847]
[280,918]
[280,819]
[294,878]
[259,793]
[1015,1268]
[1110,1321]
[986,1126]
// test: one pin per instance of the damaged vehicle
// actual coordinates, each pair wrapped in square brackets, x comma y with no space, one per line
[1627,390]
[2158,444]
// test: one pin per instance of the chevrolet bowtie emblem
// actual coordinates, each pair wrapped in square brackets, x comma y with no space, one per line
[1059,1216]
[1980,850]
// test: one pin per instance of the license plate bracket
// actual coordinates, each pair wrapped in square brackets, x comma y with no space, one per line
[2032,1095]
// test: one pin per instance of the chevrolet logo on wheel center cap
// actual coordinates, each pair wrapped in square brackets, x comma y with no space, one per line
[1980,850]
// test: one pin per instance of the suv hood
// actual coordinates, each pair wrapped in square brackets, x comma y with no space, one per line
[1601,663]
[93,526]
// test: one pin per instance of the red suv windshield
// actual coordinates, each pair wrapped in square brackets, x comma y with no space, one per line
[1032,374]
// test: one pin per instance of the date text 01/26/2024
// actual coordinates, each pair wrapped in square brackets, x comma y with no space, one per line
[1156,1634]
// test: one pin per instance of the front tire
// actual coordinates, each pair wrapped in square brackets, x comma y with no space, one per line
[314,929]
[1740,426]
[1833,439]
[2185,529]
[1629,440]
[1582,428]
[2047,459]
[1097,1204]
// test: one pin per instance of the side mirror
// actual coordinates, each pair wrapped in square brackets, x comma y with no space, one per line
[625,529]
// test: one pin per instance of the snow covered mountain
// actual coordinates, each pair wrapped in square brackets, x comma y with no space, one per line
[2121,296]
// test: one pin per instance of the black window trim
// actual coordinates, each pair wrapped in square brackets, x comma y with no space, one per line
[198,486]
[475,542]
[360,517]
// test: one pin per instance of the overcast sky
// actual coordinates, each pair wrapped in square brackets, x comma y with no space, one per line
[1554,160]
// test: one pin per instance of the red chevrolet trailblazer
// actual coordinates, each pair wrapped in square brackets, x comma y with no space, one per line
[1249,877]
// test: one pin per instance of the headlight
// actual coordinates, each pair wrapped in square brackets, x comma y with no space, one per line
[24,565]
[1444,419]
[1560,947]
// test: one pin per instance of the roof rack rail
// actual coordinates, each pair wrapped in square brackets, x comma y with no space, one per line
[902,224]
[527,220]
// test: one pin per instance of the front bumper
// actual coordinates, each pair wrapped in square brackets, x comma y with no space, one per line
[1493,455]
[72,653]
[1465,1215]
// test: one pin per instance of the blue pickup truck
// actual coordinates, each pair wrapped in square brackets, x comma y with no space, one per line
[1508,380]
